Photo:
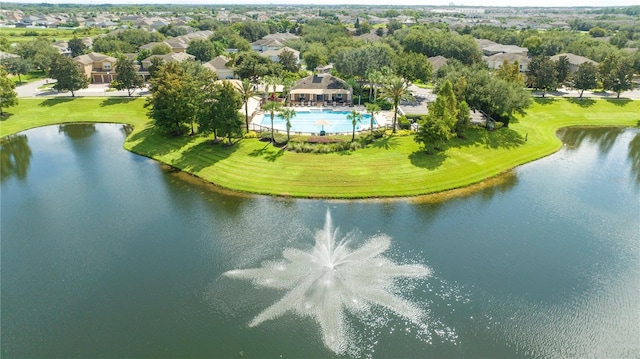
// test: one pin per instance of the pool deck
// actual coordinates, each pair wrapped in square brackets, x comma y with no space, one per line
[383,118]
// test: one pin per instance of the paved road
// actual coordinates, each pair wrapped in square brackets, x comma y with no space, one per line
[31,90]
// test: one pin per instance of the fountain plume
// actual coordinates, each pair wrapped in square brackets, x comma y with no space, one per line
[330,279]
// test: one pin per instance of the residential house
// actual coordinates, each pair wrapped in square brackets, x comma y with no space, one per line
[177,44]
[437,62]
[322,88]
[282,36]
[507,49]
[274,55]
[324,69]
[174,56]
[237,18]
[7,56]
[263,45]
[574,61]
[495,61]
[62,46]
[97,67]
[180,43]
[219,65]
[485,43]
[369,37]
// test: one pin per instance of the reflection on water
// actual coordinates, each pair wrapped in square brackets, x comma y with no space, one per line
[634,156]
[78,130]
[15,156]
[603,137]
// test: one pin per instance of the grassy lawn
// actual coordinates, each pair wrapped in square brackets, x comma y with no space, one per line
[31,113]
[390,167]
[15,35]
[30,77]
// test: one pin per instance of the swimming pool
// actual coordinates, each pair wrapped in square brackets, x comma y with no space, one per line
[305,121]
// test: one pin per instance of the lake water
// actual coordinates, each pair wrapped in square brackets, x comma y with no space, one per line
[107,254]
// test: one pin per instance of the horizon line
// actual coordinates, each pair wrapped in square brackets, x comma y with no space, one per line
[288,4]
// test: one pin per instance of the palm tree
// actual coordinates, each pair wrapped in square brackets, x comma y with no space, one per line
[247,90]
[288,114]
[375,77]
[355,118]
[272,107]
[397,89]
[353,84]
[287,84]
[268,82]
[373,109]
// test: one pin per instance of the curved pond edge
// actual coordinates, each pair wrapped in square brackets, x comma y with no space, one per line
[471,184]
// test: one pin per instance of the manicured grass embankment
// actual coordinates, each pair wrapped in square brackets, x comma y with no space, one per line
[390,167]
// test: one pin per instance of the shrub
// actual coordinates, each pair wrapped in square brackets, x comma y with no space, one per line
[264,136]
[324,139]
[251,134]
[404,123]
[398,133]
[384,104]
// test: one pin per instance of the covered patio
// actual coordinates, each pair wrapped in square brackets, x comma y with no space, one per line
[320,90]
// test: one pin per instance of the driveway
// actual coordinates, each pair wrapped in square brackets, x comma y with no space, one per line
[423,98]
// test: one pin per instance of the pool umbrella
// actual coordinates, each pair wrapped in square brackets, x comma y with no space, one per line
[322,122]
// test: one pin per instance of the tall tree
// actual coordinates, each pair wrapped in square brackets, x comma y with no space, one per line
[39,52]
[562,69]
[247,90]
[446,106]
[160,49]
[251,65]
[17,66]
[616,73]
[270,82]
[315,55]
[128,79]
[356,63]
[586,78]
[77,47]
[483,91]
[272,107]
[166,101]
[68,75]
[196,78]
[288,114]
[288,61]
[373,110]
[202,49]
[397,89]
[177,96]
[287,83]
[542,74]
[432,133]
[413,66]
[510,72]
[355,118]
[225,105]
[8,95]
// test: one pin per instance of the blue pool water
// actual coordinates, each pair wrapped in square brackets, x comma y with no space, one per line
[304,121]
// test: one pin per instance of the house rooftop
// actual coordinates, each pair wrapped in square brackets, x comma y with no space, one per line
[573,59]
[92,57]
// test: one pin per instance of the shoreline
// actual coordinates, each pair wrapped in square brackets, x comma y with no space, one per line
[541,137]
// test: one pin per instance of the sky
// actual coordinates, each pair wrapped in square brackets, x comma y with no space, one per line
[544,3]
